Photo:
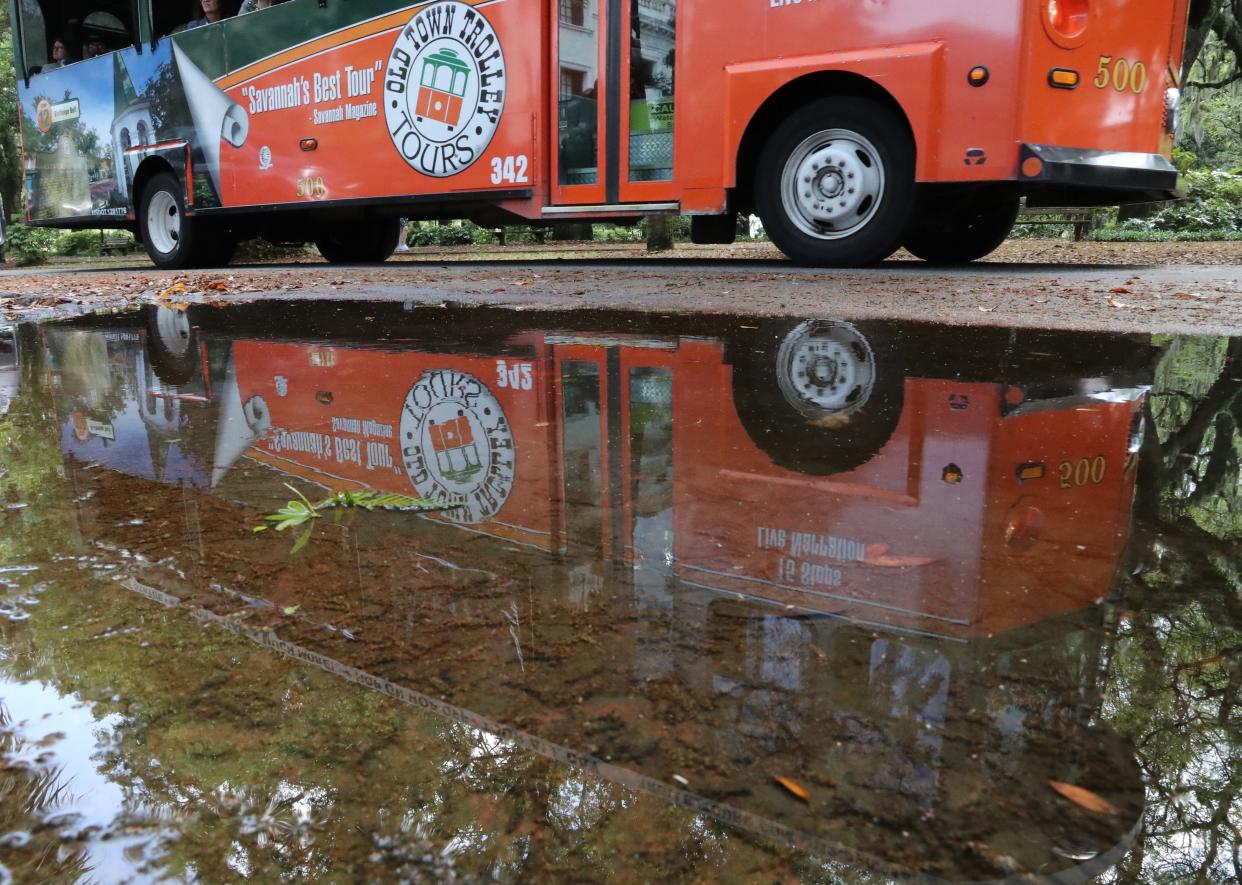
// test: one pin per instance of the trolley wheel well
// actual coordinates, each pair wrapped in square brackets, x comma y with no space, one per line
[784,101]
[148,169]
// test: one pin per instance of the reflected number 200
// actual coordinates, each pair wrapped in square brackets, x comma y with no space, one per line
[1084,471]
[515,377]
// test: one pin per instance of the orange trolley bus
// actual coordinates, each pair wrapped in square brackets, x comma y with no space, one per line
[850,128]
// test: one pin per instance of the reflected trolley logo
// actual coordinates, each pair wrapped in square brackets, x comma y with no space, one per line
[444,88]
[456,444]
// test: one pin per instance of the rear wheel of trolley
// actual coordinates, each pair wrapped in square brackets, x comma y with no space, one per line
[359,242]
[835,181]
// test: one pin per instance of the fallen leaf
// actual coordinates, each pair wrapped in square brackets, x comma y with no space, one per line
[1119,290]
[794,787]
[218,286]
[1113,302]
[1084,798]
[290,609]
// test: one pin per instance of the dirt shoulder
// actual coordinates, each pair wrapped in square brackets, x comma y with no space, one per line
[1175,287]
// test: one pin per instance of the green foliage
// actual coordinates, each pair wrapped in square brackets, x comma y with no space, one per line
[1213,203]
[79,242]
[431,233]
[10,148]
[615,233]
[1127,235]
[31,245]
[1052,225]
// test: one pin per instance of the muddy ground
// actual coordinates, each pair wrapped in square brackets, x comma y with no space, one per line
[1191,288]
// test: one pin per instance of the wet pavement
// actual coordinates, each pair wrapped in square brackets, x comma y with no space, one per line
[720,597]
[1111,287]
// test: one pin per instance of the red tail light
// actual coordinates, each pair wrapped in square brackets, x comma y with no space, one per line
[1066,21]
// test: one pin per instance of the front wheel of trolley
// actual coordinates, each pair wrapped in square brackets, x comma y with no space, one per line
[819,396]
[359,242]
[173,239]
[973,226]
[835,183]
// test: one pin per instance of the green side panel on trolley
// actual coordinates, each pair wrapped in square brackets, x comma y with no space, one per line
[242,40]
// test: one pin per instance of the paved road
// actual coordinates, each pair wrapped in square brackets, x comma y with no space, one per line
[1204,299]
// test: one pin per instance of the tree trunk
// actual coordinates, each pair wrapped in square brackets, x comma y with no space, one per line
[659,233]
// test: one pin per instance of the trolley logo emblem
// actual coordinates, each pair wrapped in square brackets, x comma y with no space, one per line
[444,88]
[456,445]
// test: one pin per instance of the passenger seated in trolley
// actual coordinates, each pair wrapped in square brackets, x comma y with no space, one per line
[213,12]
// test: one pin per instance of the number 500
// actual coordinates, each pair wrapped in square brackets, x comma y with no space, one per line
[1121,74]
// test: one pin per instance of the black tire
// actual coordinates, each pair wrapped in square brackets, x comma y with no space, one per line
[972,229]
[861,153]
[223,247]
[172,344]
[190,245]
[362,242]
[836,428]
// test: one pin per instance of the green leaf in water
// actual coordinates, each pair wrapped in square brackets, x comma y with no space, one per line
[302,539]
[302,511]
[373,500]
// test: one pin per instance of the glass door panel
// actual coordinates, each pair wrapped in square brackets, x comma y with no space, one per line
[652,40]
[578,139]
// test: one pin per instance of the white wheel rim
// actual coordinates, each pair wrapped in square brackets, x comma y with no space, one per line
[164,222]
[173,327]
[832,184]
[826,368]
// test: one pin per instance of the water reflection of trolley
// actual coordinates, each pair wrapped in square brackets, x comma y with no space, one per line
[442,87]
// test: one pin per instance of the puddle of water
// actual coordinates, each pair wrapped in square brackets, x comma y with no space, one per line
[709,597]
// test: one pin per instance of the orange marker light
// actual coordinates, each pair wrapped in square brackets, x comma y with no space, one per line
[978,75]
[1063,78]
[309,144]
[1032,166]
[1030,471]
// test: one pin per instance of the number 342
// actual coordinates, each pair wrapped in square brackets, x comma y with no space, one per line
[510,170]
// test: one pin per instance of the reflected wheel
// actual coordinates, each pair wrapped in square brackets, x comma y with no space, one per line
[819,396]
[172,344]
